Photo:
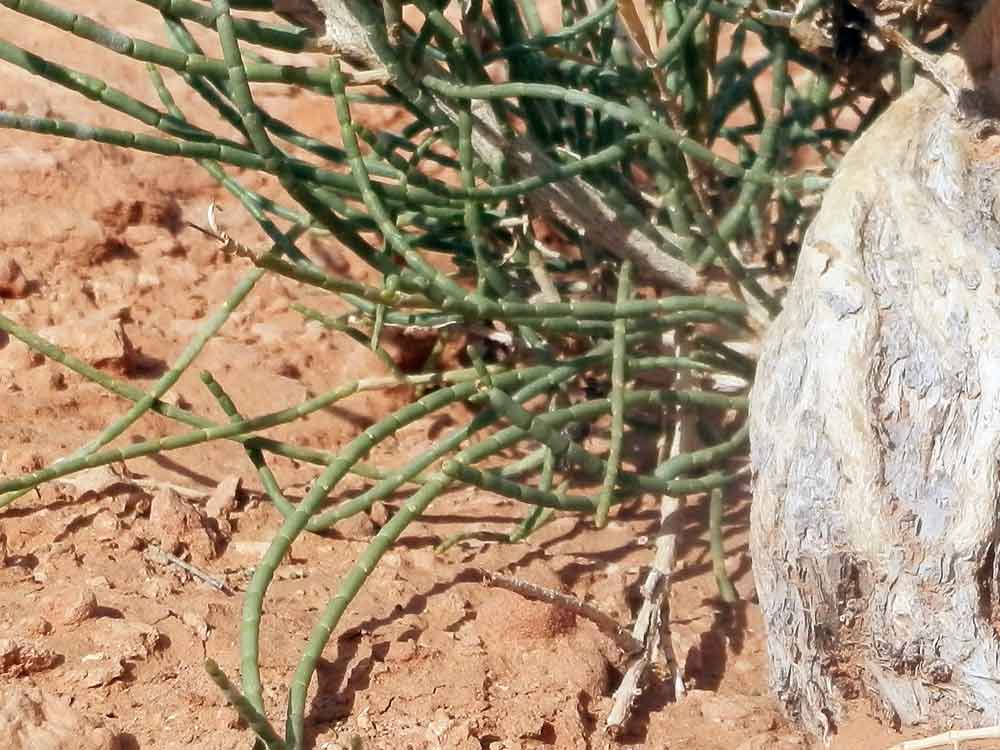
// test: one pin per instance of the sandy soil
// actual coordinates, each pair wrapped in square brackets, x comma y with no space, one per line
[101,644]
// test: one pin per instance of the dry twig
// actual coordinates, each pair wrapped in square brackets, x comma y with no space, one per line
[157,554]
[604,622]
[652,624]
[953,738]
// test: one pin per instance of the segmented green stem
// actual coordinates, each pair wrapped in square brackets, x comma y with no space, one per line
[685,463]
[578,28]
[214,150]
[78,458]
[619,354]
[611,109]
[533,382]
[285,38]
[682,34]
[726,589]
[120,388]
[79,461]
[97,90]
[255,454]
[441,286]
[411,510]
[257,722]
[540,428]
[547,314]
[473,219]
[143,51]
[294,524]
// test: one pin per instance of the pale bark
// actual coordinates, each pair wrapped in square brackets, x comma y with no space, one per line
[875,429]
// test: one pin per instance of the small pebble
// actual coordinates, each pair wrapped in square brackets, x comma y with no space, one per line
[13,283]
[84,607]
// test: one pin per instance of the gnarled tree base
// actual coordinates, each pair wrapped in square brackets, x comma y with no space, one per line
[875,425]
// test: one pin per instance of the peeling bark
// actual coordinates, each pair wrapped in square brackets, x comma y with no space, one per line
[875,426]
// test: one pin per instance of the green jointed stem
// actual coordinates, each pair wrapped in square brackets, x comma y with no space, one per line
[584,25]
[274,160]
[239,429]
[726,589]
[539,116]
[254,121]
[255,454]
[523,312]
[285,38]
[540,428]
[314,276]
[699,459]
[491,481]
[682,34]
[539,516]
[412,509]
[562,325]
[619,353]
[532,381]
[213,150]
[646,323]
[130,392]
[591,102]
[441,286]
[391,285]
[525,465]
[257,722]
[224,150]
[209,91]
[664,482]
[283,242]
[294,524]
[98,90]
[494,482]
[236,431]
[473,217]
[126,139]
[597,161]
[737,216]
[92,460]
[143,51]
[208,329]
[335,608]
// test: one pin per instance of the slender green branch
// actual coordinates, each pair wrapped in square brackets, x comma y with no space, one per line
[254,718]
[726,589]
[254,453]
[619,353]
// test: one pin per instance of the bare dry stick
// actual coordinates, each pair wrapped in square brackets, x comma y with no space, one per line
[952,738]
[924,59]
[604,622]
[652,624]
[157,554]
